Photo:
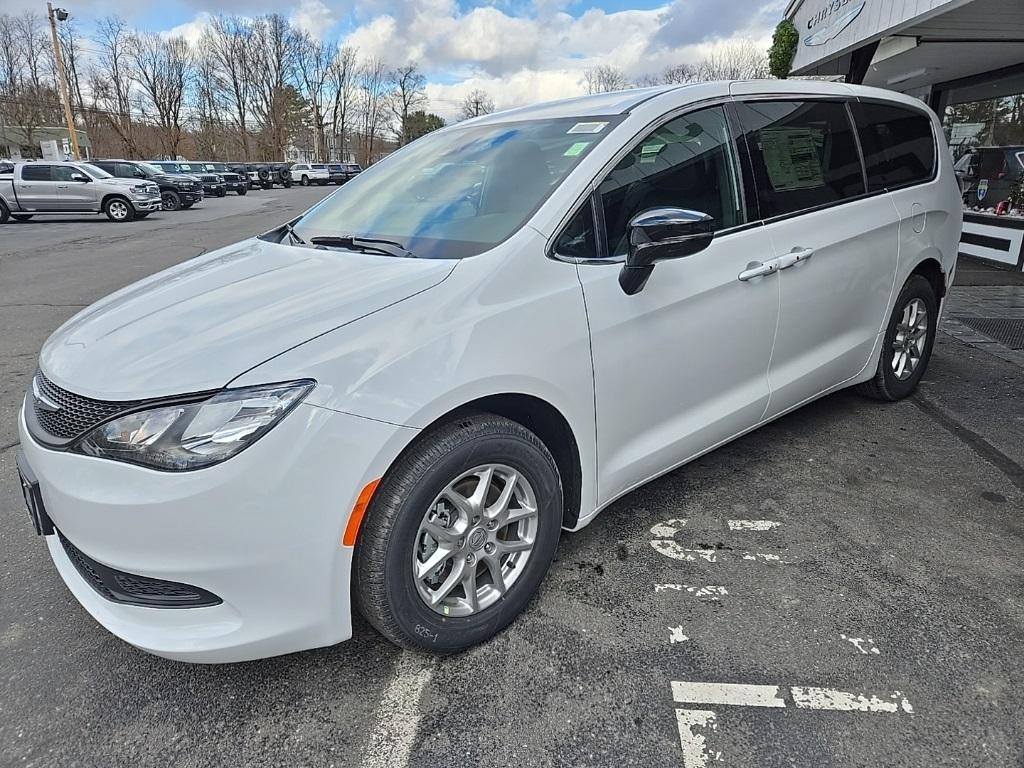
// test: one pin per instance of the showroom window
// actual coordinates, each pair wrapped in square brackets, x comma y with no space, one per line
[803,154]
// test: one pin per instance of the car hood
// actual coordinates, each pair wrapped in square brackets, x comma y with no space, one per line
[200,324]
[172,178]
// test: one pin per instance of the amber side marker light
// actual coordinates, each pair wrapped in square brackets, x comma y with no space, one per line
[352,529]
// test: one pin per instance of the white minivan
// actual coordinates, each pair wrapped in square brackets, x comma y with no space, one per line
[397,401]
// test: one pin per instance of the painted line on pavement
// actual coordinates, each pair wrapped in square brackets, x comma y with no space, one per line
[833,699]
[752,525]
[847,701]
[398,713]
[731,694]
[694,742]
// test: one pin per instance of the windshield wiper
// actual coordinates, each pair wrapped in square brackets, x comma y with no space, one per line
[366,244]
[292,234]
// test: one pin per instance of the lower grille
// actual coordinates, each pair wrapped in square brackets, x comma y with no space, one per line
[132,589]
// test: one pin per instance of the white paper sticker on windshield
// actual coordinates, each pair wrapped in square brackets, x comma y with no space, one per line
[587,128]
[792,157]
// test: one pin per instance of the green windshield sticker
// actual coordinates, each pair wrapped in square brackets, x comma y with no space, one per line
[594,127]
[649,152]
[576,149]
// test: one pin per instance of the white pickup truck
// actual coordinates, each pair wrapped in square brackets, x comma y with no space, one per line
[46,187]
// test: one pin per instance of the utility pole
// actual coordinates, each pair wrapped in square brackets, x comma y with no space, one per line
[62,15]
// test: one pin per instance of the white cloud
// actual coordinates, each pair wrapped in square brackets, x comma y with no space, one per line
[190,30]
[313,18]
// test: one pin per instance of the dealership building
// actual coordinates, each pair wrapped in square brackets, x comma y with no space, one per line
[964,58]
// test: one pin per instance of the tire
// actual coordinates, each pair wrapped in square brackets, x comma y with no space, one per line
[186,206]
[266,185]
[264,174]
[118,210]
[5,213]
[142,215]
[384,586]
[222,193]
[22,216]
[170,201]
[287,184]
[891,381]
[304,180]
[243,191]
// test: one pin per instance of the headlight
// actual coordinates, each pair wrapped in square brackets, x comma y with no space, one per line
[195,435]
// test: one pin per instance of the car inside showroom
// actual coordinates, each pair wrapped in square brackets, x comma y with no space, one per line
[965,59]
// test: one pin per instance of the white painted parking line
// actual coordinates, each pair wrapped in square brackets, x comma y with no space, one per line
[694,742]
[398,714]
[676,551]
[667,529]
[752,525]
[863,644]
[675,635]
[710,592]
[731,694]
[847,701]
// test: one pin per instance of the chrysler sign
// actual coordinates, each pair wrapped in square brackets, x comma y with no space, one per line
[832,19]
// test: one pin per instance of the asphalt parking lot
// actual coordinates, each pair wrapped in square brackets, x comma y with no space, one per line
[840,588]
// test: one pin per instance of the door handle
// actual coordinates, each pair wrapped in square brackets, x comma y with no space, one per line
[62,186]
[757,269]
[800,254]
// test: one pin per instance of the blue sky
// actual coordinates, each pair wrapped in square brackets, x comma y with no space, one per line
[516,50]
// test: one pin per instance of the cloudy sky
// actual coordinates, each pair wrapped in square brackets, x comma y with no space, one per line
[518,51]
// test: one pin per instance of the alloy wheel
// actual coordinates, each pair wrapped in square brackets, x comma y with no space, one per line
[911,337]
[118,210]
[474,540]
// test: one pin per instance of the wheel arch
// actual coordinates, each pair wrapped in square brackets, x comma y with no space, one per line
[114,195]
[930,268]
[545,421]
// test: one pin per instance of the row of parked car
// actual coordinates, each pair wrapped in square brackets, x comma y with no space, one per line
[130,189]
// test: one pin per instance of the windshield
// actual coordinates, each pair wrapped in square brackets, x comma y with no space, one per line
[150,169]
[215,167]
[95,172]
[458,192]
[186,167]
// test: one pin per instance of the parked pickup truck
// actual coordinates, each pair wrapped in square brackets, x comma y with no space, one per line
[34,188]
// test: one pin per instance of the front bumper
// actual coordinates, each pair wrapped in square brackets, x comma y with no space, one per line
[146,204]
[214,189]
[261,531]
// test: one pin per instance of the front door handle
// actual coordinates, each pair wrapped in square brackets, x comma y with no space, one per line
[757,269]
[800,254]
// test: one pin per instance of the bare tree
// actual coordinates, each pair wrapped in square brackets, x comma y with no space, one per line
[476,103]
[273,53]
[29,95]
[208,92]
[162,71]
[341,86]
[605,78]
[680,73]
[313,62]
[229,42]
[738,60]
[408,94]
[111,78]
[373,93]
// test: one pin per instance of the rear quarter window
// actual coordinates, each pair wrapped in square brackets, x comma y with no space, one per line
[898,145]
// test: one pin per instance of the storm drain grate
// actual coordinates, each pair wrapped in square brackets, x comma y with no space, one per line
[1009,333]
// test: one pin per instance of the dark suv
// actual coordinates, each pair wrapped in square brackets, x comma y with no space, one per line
[264,175]
[213,184]
[176,190]
[233,181]
[342,172]
[988,174]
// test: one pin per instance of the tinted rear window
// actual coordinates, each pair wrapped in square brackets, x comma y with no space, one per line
[35,173]
[898,144]
[803,154]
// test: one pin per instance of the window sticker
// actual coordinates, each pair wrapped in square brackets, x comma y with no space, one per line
[576,149]
[793,157]
[595,127]
[649,152]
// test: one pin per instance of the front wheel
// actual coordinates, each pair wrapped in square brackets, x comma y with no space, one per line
[459,535]
[304,180]
[21,216]
[118,209]
[221,193]
[170,201]
[242,191]
[907,344]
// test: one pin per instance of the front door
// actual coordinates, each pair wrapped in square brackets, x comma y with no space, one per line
[75,195]
[836,244]
[682,365]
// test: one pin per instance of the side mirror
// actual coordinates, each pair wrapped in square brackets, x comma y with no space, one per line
[658,234]
[80,177]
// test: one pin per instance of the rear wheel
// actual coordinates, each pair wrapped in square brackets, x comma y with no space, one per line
[118,209]
[5,213]
[304,180]
[907,344]
[21,216]
[459,535]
